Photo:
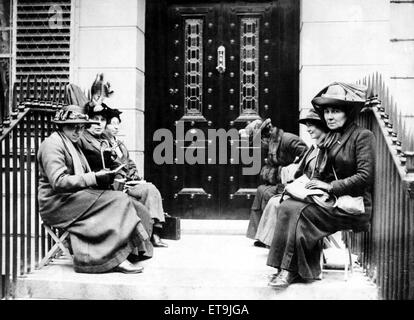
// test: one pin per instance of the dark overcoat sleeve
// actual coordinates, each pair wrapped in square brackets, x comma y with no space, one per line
[355,163]
[53,160]
[292,147]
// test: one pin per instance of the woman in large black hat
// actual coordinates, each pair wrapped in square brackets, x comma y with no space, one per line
[73,197]
[347,152]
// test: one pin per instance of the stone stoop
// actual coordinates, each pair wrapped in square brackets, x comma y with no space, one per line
[202,265]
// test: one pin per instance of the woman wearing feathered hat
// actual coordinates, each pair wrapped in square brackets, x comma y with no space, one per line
[96,139]
[317,130]
[71,197]
[345,166]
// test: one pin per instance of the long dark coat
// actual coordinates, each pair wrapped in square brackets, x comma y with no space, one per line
[300,226]
[104,226]
[282,151]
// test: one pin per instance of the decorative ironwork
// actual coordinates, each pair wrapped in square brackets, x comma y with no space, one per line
[193,68]
[249,69]
[43,36]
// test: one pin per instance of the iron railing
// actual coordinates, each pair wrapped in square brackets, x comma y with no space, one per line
[386,251]
[23,242]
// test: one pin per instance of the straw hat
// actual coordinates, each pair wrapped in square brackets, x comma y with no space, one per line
[72,114]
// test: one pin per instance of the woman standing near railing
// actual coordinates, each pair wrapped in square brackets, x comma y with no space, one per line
[104,226]
[348,153]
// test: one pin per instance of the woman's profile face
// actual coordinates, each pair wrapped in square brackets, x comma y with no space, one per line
[314,131]
[113,126]
[73,131]
[335,118]
[98,129]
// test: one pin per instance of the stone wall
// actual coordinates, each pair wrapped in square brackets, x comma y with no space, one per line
[341,41]
[109,37]
[402,55]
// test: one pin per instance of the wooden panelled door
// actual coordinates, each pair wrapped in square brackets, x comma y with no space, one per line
[223,64]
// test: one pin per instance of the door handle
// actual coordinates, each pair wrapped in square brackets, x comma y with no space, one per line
[221,59]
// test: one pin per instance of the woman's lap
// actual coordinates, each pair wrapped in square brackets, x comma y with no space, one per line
[299,229]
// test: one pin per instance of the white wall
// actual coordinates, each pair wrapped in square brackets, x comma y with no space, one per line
[341,40]
[402,62]
[109,37]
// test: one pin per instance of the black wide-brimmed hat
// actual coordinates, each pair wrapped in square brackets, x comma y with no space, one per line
[308,114]
[348,97]
[72,114]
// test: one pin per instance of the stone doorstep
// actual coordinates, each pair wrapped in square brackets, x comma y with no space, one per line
[224,227]
[196,267]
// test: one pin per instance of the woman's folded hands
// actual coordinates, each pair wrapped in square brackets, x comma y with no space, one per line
[318,184]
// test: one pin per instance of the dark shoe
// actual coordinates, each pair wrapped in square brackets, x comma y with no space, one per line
[284,279]
[259,244]
[157,242]
[128,267]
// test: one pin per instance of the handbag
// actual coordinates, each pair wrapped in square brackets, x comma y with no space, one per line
[349,204]
[172,228]
[296,189]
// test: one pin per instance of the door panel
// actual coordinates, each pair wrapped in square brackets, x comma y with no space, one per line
[198,97]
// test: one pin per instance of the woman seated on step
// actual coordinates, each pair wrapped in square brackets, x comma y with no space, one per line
[147,193]
[317,130]
[280,149]
[345,165]
[96,138]
[104,226]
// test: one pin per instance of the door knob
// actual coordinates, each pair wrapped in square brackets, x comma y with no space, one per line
[221,59]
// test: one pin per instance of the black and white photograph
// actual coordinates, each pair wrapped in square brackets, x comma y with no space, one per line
[223,152]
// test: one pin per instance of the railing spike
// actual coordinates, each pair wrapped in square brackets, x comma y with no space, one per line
[13,102]
[54,92]
[28,88]
[21,97]
[42,88]
[6,112]
[35,89]
[65,93]
[48,90]
[59,93]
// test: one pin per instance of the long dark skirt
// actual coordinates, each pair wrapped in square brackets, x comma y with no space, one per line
[262,197]
[115,226]
[150,197]
[299,228]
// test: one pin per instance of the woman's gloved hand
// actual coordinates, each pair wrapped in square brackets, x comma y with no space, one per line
[134,175]
[317,184]
[104,177]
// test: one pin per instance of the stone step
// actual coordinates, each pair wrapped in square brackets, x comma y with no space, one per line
[199,266]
